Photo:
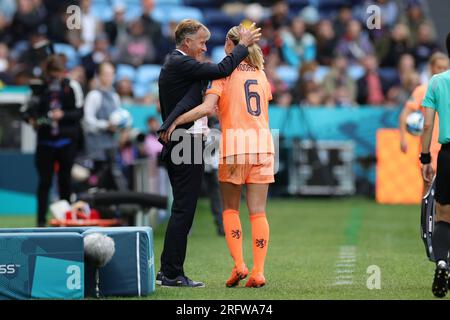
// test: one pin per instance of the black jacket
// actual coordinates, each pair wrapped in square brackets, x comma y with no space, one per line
[183,79]
[69,126]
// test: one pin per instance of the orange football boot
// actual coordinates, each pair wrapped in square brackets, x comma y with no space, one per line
[236,276]
[256,281]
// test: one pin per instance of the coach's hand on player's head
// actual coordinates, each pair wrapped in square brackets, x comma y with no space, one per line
[249,36]
[427,172]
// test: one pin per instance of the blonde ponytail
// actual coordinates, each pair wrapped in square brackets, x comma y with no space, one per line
[255,56]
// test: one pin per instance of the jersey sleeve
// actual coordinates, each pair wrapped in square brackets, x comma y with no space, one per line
[216,87]
[430,97]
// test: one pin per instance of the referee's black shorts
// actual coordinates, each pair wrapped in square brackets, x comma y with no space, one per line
[442,195]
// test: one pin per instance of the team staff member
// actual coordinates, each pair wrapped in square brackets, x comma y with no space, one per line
[56,119]
[437,100]
[181,71]
[242,100]
[438,63]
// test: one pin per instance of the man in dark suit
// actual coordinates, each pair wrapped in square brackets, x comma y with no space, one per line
[182,82]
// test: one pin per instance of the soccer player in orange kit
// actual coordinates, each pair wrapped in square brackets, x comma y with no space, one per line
[246,154]
[439,62]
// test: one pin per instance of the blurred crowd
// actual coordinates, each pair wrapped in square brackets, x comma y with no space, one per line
[313,57]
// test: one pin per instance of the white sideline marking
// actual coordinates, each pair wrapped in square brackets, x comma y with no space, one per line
[345,266]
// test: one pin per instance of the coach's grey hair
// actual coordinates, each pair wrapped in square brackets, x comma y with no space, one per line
[98,249]
[186,28]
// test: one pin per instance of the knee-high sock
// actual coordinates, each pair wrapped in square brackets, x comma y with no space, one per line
[441,240]
[233,235]
[260,238]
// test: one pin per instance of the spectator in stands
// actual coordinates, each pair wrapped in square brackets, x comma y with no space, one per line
[406,64]
[28,19]
[396,46]
[270,39]
[5,35]
[298,46]
[342,20]
[152,28]
[5,77]
[4,54]
[306,83]
[425,47]
[338,78]
[57,26]
[326,42]
[310,15]
[116,29]
[32,59]
[398,95]
[280,15]
[370,86]
[79,75]
[99,55]
[168,43]
[124,88]
[8,8]
[90,26]
[354,45]
[136,49]
[152,146]
[100,133]
[314,98]
[413,18]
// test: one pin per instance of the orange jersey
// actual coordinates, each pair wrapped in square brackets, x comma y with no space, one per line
[415,103]
[243,111]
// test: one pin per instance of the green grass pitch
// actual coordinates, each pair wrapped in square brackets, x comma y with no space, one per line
[303,256]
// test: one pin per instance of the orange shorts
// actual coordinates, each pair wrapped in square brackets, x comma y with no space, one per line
[247,168]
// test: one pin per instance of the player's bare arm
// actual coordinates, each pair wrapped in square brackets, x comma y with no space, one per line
[205,109]
[402,126]
[427,169]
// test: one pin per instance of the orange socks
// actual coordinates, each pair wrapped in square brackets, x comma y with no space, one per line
[260,238]
[233,235]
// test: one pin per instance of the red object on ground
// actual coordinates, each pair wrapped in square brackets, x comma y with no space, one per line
[85,222]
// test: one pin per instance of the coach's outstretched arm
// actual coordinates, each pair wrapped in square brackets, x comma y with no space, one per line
[205,109]
[210,71]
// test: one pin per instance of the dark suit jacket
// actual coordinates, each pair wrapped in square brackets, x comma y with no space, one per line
[183,79]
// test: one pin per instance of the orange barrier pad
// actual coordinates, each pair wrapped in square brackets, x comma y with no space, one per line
[399,179]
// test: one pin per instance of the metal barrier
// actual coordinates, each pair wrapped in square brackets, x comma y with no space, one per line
[150,177]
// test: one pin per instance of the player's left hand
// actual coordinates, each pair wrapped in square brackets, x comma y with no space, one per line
[427,172]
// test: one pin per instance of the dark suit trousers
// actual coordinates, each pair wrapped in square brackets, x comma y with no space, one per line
[186,181]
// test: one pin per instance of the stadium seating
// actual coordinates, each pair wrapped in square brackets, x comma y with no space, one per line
[72,56]
[102,11]
[147,73]
[217,54]
[288,74]
[125,71]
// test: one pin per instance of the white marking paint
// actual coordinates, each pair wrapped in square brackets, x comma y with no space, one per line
[345,266]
